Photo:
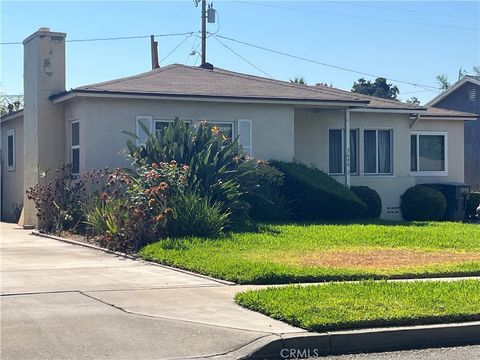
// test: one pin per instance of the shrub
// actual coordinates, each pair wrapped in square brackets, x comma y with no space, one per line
[371,199]
[212,161]
[421,203]
[59,202]
[196,216]
[262,184]
[134,208]
[472,205]
[315,195]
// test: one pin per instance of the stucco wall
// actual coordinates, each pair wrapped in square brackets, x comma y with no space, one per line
[455,149]
[102,120]
[12,180]
[311,147]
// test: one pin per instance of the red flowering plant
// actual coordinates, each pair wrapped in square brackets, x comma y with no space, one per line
[133,210]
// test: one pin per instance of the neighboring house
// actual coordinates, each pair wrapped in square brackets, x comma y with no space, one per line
[391,145]
[464,95]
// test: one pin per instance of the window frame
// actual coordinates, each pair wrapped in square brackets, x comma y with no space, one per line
[220,122]
[249,151]
[11,167]
[392,151]
[74,147]
[357,131]
[156,120]
[445,155]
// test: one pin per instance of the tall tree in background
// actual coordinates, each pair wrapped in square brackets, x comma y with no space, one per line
[442,79]
[413,100]
[379,88]
[298,80]
[10,103]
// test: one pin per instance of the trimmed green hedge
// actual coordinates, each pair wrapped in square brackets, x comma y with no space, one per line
[316,195]
[371,198]
[421,203]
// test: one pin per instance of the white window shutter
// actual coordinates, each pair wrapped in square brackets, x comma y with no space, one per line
[142,135]
[245,135]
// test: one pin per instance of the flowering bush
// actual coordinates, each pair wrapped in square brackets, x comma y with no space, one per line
[59,202]
[133,210]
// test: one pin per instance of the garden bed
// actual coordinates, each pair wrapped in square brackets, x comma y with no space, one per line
[341,306]
[326,252]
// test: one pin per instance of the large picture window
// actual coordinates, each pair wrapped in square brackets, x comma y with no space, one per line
[428,154]
[378,152]
[336,153]
[11,149]
[75,147]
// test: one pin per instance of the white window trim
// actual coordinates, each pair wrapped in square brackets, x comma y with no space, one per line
[11,132]
[250,149]
[150,125]
[167,120]
[426,172]
[74,147]
[392,152]
[357,173]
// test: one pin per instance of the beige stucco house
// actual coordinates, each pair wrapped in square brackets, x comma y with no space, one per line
[391,145]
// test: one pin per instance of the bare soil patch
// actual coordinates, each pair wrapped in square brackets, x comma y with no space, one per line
[384,258]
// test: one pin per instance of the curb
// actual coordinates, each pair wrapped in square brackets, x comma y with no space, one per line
[128,256]
[307,345]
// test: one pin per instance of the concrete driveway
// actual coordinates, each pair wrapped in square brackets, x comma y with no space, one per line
[61,301]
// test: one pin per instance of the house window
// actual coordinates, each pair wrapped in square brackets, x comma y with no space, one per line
[378,152]
[162,124]
[75,147]
[225,128]
[336,154]
[245,135]
[428,154]
[11,149]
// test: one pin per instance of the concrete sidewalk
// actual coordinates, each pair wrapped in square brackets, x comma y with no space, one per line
[61,301]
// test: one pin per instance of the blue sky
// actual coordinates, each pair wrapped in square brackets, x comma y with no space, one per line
[407,41]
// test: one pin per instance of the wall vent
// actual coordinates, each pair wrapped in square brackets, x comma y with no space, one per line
[393,209]
[472,94]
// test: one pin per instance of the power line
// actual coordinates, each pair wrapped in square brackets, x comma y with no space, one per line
[325,64]
[175,48]
[353,3]
[358,16]
[111,38]
[241,57]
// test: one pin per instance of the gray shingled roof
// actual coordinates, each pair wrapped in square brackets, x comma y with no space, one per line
[182,80]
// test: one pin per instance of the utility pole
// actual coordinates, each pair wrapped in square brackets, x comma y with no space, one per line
[204,32]
[207,15]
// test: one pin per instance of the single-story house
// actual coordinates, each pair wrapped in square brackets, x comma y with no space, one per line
[464,95]
[390,146]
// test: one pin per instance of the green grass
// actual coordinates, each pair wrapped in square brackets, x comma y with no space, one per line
[275,253]
[338,306]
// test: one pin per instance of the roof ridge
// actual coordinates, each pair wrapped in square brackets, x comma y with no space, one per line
[144,74]
[352,96]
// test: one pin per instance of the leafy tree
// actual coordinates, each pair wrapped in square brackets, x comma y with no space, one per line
[379,88]
[443,82]
[413,100]
[324,84]
[9,103]
[298,80]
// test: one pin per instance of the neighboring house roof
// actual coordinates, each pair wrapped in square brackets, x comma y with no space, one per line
[434,112]
[11,116]
[466,79]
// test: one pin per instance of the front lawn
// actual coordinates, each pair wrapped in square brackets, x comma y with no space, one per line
[309,253]
[339,306]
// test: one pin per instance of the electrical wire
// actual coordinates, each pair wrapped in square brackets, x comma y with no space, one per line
[241,57]
[111,38]
[427,87]
[175,48]
[357,16]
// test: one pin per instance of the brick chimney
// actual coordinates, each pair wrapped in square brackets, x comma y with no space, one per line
[44,122]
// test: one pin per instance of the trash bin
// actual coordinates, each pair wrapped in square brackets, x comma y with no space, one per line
[457,195]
